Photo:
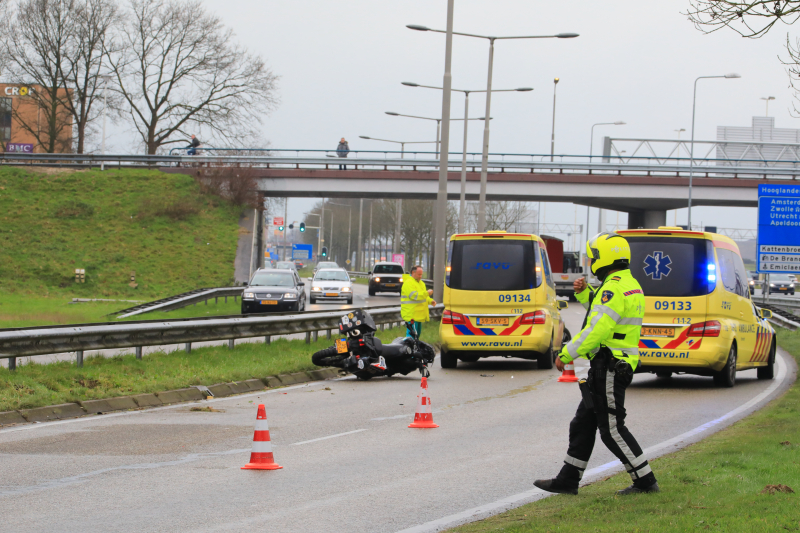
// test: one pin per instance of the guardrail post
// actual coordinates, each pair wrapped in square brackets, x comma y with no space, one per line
[231,343]
[235,298]
[328,334]
[79,358]
[12,363]
[216,300]
[267,339]
[139,353]
[308,337]
[187,347]
[226,299]
[315,336]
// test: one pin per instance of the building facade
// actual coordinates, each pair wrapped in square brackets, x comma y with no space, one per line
[26,120]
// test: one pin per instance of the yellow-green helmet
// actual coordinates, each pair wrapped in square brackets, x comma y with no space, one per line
[608,251]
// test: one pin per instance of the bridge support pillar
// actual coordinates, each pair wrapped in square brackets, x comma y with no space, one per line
[647,219]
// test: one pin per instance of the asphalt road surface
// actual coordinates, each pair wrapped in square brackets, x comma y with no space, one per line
[350,462]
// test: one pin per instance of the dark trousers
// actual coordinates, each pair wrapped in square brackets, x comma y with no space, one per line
[608,379]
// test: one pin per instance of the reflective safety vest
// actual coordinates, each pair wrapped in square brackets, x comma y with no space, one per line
[414,300]
[614,321]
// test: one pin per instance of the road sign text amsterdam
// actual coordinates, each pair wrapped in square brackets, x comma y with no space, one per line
[778,228]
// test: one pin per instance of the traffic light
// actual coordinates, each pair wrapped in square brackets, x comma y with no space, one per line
[302,227]
[324,251]
[280,228]
[291,226]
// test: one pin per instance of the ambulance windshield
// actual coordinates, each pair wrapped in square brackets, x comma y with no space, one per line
[671,266]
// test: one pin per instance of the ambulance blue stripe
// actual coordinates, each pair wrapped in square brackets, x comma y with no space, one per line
[650,344]
[463,330]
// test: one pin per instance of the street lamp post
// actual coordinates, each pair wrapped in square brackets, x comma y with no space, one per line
[485,155]
[438,122]
[766,100]
[105,78]
[462,205]
[553,129]
[591,139]
[691,149]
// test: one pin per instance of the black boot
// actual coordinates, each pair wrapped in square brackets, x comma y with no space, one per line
[555,485]
[638,489]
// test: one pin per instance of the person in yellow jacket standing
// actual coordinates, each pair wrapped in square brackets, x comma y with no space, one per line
[610,340]
[415,298]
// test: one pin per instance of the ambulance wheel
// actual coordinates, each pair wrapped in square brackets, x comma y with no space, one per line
[727,376]
[768,372]
[448,360]
[546,360]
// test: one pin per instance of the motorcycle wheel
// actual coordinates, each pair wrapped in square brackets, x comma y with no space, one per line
[363,376]
[329,357]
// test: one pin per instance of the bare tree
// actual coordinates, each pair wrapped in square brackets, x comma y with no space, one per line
[35,44]
[503,216]
[752,18]
[93,23]
[180,72]
[4,29]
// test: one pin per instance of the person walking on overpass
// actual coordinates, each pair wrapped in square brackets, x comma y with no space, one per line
[193,145]
[610,340]
[342,150]
[414,300]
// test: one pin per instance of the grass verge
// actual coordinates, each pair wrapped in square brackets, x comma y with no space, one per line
[717,484]
[34,385]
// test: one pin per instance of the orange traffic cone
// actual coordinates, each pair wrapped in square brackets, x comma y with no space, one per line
[261,458]
[424,417]
[569,374]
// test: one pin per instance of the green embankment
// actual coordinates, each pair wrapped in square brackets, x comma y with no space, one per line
[732,481]
[160,226]
[34,385]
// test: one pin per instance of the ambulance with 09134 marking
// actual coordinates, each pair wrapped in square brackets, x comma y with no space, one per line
[699,318]
[500,300]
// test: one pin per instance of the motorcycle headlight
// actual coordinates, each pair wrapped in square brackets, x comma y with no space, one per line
[316,289]
[377,279]
[289,296]
[249,295]
[345,289]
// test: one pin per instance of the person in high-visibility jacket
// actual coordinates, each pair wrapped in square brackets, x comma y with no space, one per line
[610,340]
[415,298]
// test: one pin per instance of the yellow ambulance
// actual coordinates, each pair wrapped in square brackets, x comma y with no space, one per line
[500,300]
[699,317]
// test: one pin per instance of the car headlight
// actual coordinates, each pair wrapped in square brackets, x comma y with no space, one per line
[345,289]
[316,288]
[771,284]
[289,296]
[791,285]
[249,295]
[752,282]
[377,279]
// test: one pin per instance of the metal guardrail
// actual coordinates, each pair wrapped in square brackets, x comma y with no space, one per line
[632,168]
[51,340]
[779,302]
[180,300]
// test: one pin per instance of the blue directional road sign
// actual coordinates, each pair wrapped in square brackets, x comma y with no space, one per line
[778,228]
[302,251]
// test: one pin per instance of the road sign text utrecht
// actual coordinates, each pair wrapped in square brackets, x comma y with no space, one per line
[778,228]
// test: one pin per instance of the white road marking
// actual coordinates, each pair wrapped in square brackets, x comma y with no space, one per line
[671,445]
[328,437]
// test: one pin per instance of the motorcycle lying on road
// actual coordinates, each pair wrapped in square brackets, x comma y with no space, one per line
[361,353]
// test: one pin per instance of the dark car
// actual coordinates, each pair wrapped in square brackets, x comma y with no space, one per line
[274,290]
[386,277]
[781,283]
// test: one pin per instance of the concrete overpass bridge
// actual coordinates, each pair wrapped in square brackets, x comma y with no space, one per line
[644,191]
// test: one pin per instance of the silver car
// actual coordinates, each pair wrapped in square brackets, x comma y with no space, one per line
[331,284]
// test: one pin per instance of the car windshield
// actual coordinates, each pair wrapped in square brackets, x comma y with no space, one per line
[388,269]
[492,265]
[781,277]
[332,275]
[327,264]
[670,266]
[273,279]
[284,264]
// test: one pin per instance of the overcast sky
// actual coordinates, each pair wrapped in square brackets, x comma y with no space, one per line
[341,64]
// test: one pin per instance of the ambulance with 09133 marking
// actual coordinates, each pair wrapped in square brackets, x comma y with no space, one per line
[500,300]
[699,318]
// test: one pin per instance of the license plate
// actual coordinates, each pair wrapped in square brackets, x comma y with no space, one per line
[331,294]
[492,321]
[269,302]
[341,346]
[783,289]
[390,284]
[658,332]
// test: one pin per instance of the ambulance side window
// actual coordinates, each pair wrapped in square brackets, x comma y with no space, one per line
[741,276]
[546,266]
[727,270]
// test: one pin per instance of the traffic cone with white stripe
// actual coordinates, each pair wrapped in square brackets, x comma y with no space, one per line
[261,458]
[424,416]
[568,375]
